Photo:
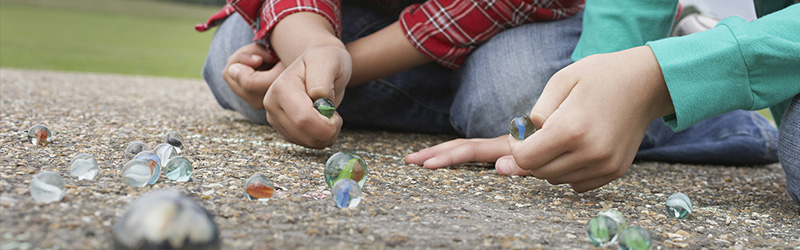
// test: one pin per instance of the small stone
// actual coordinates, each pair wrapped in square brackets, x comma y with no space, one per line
[135,148]
[616,216]
[635,238]
[346,193]
[39,135]
[258,187]
[521,127]
[165,152]
[83,166]
[602,230]
[325,107]
[137,172]
[345,165]
[153,161]
[47,187]
[165,220]
[678,206]
[178,169]
[175,139]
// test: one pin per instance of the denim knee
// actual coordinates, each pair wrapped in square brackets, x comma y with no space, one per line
[505,76]
[789,148]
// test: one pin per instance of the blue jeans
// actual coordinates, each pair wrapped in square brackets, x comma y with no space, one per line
[789,148]
[501,78]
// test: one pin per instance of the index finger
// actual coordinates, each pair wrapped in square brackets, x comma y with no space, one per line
[538,149]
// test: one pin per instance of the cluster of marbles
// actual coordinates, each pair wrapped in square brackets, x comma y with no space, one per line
[325,107]
[521,127]
[165,219]
[679,206]
[258,188]
[609,226]
[346,175]
[144,167]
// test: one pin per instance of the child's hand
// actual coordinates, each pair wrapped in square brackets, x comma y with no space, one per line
[466,150]
[596,112]
[318,72]
[249,73]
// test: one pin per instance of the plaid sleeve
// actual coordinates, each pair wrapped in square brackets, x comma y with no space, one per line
[263,15]
[447,30]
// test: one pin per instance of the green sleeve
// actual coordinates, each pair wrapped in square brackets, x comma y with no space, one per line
[614,25]
[736,65]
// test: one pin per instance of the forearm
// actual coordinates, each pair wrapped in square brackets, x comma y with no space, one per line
[316,31]
[381,54]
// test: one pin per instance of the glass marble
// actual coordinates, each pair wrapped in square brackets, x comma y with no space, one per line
[84,167]
[47,187]
[137,172]
[635,238]
[345,165]
[165,219]
[178,169]
[258,187]
[616,216]
[325,107]
[678,206]
[135,148]
[602,230]
[346,193]
[521,127]
[165,152]
[175,139]
[39,135]
[153,161]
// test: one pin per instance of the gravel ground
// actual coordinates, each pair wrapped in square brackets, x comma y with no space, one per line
[405,206]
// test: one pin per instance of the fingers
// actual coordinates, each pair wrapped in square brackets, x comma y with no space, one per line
[554,93]
[460,151]
[253,55]
[324,74]
[507,166]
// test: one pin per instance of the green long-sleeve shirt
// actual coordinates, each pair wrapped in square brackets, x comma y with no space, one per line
[736,65]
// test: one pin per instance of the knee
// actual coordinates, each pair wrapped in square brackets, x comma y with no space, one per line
[789,148]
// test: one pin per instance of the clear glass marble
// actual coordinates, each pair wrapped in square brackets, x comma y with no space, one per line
[39,135]
[135,148]
[616,216]
[165,152]
[258,187]
[521,127]
[602,230]
[47,187]
[175,139]
[178,169]
[137,172]
[165,219]
[679,206]
[325,107]
[153,161]
[635,238]
[345,165]
[346,193]
[84,167]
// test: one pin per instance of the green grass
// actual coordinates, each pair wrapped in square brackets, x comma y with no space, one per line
[108,36]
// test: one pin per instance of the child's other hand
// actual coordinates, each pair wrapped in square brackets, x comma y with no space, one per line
[318,72]
[466,150]
[250,71]
[596,112]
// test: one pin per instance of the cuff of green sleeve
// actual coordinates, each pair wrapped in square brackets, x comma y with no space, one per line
[705,74]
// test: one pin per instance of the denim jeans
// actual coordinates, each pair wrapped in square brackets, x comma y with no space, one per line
[789,148]
[501,78]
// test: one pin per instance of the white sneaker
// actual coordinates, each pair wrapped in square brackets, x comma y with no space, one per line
[694,23]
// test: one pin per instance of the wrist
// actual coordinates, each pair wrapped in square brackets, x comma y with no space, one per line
[316,32]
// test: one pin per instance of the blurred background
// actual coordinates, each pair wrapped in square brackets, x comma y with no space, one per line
[141,37]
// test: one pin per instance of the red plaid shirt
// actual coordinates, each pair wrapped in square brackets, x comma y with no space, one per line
[444,30]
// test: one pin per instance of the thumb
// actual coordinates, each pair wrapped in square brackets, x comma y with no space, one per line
[555,92]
